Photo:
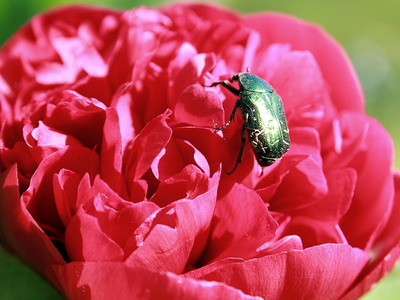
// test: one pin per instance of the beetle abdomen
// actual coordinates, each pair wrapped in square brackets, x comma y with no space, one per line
[266,153]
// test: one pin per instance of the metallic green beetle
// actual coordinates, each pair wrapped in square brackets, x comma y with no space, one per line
[264,118]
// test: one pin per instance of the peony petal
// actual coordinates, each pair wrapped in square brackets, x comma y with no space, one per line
[122,102]
[46,136]
[175,237]
[318,223]
[77,54]
[190,73]
[86,241]
[149,97]
[300,173]
[374,156]
[287,243]
[298,80]
[39,201]
[69,112]
[305,144]
[189,183]
[178,154]
[322,272]
[305,141]
[46,141]
[307,183]
[55,73]
[91,61]
[201,161]
[335,66]
[197,12]
[19,230]
[170,162]
[117,218]
[385,253]
[66,277]
[111,153]
[65,186]
[211,145]
[5,90]
[198,107]
[21,155]
[254,225]
[137,283]
[315,232]
[341,184]
[147,145]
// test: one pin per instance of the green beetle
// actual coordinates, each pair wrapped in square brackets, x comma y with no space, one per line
[264,118]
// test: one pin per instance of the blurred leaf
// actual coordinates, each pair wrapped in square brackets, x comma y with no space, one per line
[387,289]
[17,281]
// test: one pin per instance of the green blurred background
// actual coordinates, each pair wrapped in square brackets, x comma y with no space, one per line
[368,30]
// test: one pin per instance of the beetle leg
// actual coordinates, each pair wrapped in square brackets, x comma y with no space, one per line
[249,114]
[226,84]
[239,157]
[237,104]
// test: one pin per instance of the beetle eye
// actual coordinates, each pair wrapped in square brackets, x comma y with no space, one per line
[271,91]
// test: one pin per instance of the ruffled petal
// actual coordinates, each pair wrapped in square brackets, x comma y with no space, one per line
[322,272]
[91,280]
[335,65]
[19,228]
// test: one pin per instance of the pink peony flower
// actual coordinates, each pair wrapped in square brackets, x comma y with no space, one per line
[113,181]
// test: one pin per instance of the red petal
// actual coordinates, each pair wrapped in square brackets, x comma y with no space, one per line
[187,68]
[241,224]
[287,243]
[111,153]
[44,141]
[173,238]
[117,218]
[374,157]
[147,145]
[318,223]
[19,231]
[197,107]
[335,65]
[322,272]
[341,184]
[189,183]
[65,186]
[211,145]
[192,13]
[136,283]
[39,197]
[86,241]
[177,155]
[21,155]
[300,173]
[385,252]
[122,101]
[298,80]
[305,145]
[55,73]
[315,232]
[69,112]
[76,54]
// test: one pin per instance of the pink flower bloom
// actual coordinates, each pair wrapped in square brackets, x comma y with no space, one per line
[113,181]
